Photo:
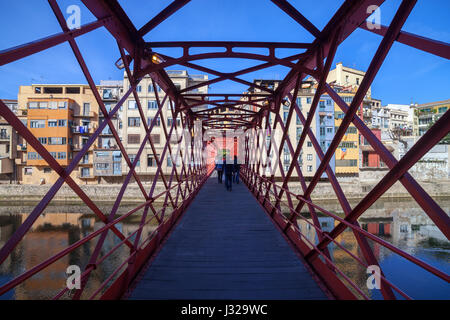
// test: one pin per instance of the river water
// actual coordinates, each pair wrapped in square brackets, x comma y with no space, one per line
[400,223]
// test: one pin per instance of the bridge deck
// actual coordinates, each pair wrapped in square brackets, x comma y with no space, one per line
[226,247]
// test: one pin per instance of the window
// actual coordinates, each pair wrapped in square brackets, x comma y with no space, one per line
[37,90]
[132,105]
[152,104]
[169,161]
[53,105]
[32,155]
[102,166]
[329,130]
[53,90]
[62,104]
[155,138]
[348,99]
[53,154]
[28,171]
[351,130]
[150,88]
[33,105]
[57,140]
[309,168]
[309,144]
[299,133]
[84,160]
[321,104]
[132,158]
[85,172]
[328,102]
[285,116]
[151,161]
[134,138]
[42,140]
[339,115]
[47,170]
[346,163]
[139,88]
[442,109]
[86,108]
[157,121]
[52,123]
[322,131]
[347,144]
[309,157]
[37,123]
[346,79]
[134,121]
[62,123]
[308,100]
[73,90]
[61,155]
[169,121]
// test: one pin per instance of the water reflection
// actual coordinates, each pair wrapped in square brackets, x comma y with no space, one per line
[410,230]
[396,222]
[50,234]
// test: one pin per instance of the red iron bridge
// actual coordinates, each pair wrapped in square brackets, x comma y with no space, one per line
[244,244]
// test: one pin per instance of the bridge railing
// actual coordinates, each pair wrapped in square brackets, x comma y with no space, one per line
[306,245]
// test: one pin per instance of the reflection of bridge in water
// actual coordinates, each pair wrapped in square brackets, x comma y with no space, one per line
[313,264]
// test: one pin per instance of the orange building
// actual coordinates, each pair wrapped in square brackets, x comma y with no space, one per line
[50,121]
[62,117]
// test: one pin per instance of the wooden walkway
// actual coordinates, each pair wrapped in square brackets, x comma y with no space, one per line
[226,247]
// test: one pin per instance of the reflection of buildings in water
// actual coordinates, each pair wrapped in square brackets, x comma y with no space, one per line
[342,259]
[129,228]
[8,224]
[50,234]
[412,226]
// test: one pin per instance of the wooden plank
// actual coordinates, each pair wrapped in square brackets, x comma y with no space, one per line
[226,247]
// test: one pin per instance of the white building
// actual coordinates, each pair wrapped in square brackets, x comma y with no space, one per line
[401,116]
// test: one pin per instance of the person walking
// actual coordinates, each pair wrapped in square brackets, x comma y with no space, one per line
[228,175]
[236,169]
[219,168]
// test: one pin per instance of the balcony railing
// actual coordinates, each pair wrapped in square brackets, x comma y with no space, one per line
[4,136]
[90,114]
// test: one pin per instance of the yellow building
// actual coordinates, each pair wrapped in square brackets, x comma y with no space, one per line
[428,113]
[62,117]
[347,153]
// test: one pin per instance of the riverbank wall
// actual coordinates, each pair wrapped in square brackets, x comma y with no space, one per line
[354,190]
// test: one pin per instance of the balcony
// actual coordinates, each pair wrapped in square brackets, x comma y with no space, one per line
[108,147]
[84,129]
[110,95]
[82,176]
[90,114]
[4,137]
[78,147]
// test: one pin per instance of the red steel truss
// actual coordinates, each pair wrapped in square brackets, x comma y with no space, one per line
[182,185]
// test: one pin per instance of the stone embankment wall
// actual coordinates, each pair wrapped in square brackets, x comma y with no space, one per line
[354,190]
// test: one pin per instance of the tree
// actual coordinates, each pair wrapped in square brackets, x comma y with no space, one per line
[446,139]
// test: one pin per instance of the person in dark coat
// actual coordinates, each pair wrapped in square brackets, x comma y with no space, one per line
[228,175]
[236,169]
[219,168]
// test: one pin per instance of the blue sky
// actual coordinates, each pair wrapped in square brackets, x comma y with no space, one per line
[407,74]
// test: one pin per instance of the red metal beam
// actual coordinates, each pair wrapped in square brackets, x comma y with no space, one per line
[163,15]
[438,48]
